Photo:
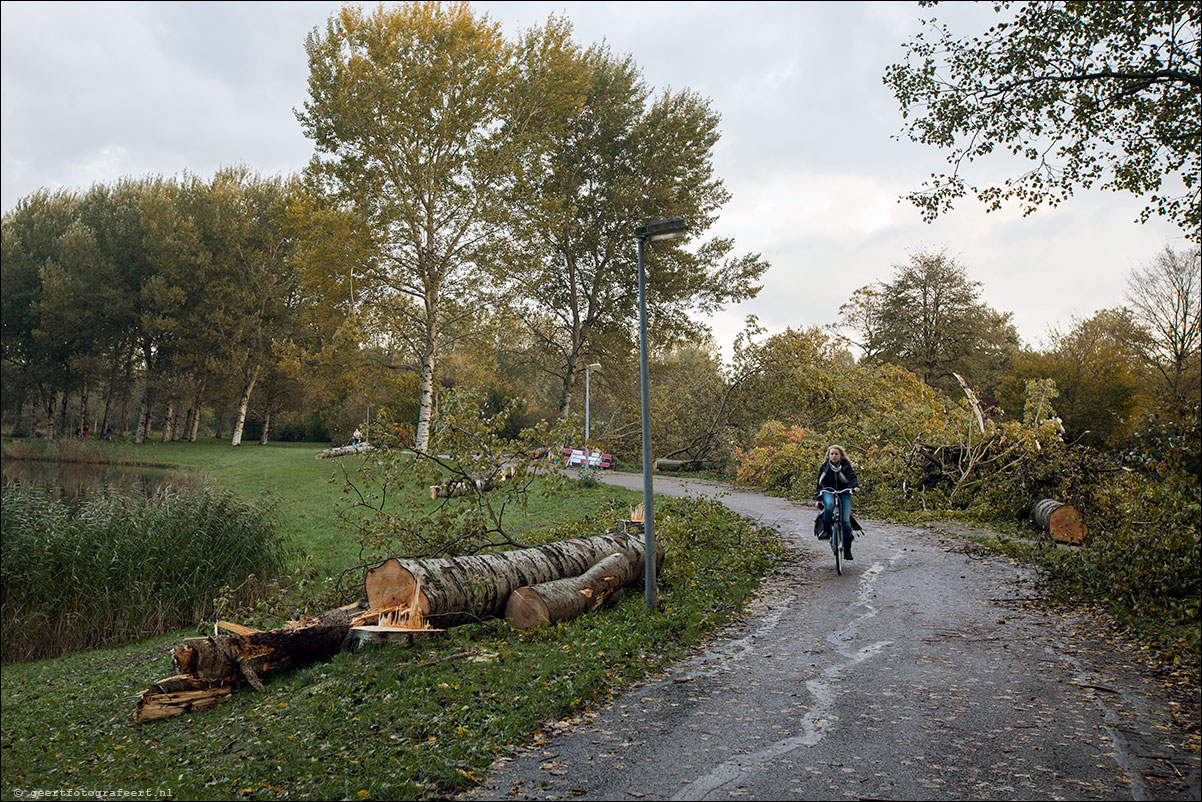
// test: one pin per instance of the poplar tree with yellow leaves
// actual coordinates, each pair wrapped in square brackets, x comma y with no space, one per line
[419,113]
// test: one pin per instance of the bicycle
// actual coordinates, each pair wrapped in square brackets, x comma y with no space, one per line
[836,528]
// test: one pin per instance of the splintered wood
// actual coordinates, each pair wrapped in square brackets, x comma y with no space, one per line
[177,695]
[396,625]
[209,668]
[406,615]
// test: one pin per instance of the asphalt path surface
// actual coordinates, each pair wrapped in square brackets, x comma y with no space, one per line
[923,672]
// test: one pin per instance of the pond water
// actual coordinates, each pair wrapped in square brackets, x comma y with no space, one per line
[75,481]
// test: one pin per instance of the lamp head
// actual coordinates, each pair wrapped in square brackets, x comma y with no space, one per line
[662,230]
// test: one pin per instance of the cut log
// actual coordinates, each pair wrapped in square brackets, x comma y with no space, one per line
[242,659]
[456,590]
[1062,521]
[374,635]
[344,451]
[177,695]
[566,598]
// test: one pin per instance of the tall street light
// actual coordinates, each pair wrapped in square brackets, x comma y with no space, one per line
[659,231]
[588,449]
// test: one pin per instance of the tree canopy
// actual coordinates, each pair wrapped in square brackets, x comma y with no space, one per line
[929,319]
[1087,93]
[616,159]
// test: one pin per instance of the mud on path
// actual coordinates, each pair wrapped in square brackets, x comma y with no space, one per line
[924,672]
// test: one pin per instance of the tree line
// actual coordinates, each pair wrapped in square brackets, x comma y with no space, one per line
[471,198]
[467,219]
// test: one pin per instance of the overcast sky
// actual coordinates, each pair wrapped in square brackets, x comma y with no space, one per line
[93,92]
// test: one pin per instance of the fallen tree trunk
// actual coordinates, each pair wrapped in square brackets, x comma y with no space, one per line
[1062,521]
[456,590]
[562,599]
[678,465]
[242,659]
[463,487]
[342,451]
[177,695]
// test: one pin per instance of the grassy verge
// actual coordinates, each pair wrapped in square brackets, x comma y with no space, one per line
[379,724]
[386,723]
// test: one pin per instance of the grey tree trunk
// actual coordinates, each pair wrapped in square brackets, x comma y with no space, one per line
[83,407]
[563,599]
[196,415]
[167,420]
[51,399]
[247,386]
[144,411]
[456,590]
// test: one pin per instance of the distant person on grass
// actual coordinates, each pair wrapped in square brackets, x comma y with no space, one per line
[356,437]
[836,474]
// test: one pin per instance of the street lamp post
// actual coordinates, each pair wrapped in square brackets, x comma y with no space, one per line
[588,449]
[658,231]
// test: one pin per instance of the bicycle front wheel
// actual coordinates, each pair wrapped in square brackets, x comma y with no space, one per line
[837,547]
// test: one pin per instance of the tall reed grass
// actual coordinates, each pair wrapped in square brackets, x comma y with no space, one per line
[117,567]
[67,449]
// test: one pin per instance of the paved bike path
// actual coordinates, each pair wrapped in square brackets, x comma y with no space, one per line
[921,673]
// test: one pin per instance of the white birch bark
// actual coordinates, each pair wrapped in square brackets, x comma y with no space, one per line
[457,590]
[247,386]
[167,421]
[425,411]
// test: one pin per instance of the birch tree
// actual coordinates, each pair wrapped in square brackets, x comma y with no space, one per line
[416,113]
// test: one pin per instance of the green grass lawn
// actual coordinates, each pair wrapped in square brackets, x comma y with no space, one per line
[377,724]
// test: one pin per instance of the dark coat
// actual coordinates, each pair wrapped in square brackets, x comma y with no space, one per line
[829,479]
[835,480]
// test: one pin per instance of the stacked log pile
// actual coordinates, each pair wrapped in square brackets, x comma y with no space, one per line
[406,601]
[458,590]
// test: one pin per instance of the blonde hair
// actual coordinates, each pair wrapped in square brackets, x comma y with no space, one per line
[842,452]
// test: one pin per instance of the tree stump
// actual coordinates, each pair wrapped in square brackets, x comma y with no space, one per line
[376,635]
[563,599]
[1062,521]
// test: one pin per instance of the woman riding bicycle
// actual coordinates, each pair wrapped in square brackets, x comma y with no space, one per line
[836,474]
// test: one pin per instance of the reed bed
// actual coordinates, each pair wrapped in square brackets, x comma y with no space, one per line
[67,449]
[118,567]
